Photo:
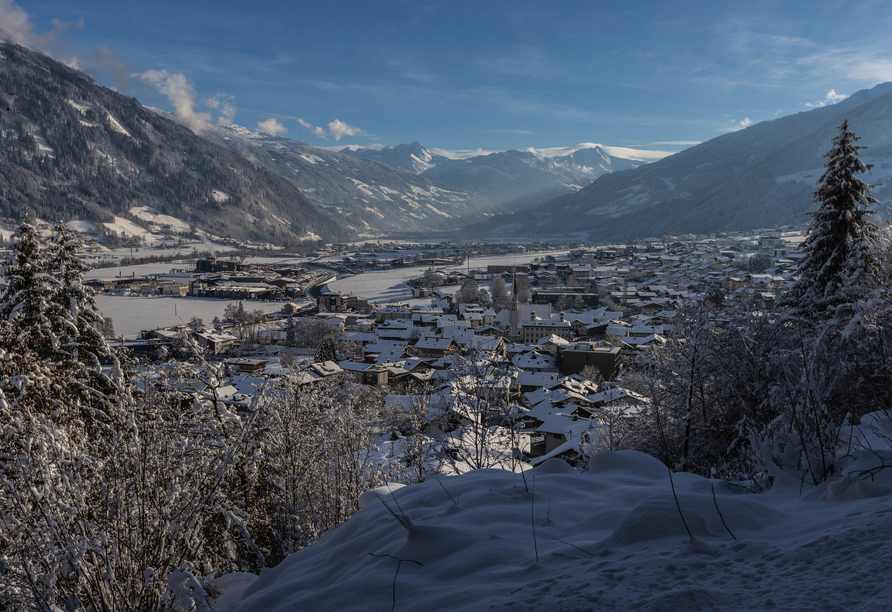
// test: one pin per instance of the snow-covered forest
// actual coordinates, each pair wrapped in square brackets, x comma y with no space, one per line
[121,490]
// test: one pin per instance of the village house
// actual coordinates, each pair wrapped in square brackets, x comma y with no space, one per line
[605,359]
[534,329]
[435,347]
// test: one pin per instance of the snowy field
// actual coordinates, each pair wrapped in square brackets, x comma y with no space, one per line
[138,271]
[263,261]
[390,285]
[132,314]
[609,539]
[187,264]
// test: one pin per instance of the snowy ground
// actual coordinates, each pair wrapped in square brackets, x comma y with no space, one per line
[390,285]
[609,539]
[131,314]
[139,271]
[263,261]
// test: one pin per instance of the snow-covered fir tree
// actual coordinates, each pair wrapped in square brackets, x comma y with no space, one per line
[26,301]
[836,268]
[290,331]
[327,351]
[76,320]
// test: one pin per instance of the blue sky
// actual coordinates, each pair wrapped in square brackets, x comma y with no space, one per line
[466,75]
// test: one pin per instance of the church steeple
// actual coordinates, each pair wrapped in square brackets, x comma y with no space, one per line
[514,315]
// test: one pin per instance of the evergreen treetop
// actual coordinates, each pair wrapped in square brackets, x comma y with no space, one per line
[76,320]
[327,351]
[837,266]
[25,301]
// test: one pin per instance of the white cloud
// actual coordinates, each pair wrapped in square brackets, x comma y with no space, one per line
[226,105]
[16,25]
[738,125]
[339,129]
[315,129]
[181,94]
[831,98]
[271,126]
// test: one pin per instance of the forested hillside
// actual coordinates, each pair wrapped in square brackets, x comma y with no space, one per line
[73,149]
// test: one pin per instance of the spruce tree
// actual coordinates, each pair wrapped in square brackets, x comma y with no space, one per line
[290,332]
[836,269]
[25,301]
[327,351]
[75,318]
[77,326]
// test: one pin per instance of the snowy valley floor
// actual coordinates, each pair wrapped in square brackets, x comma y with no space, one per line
[609,539]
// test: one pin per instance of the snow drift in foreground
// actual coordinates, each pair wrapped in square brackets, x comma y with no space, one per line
[608,539]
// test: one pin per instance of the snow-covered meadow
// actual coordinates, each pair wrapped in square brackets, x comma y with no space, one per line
[132,314]
[609,539]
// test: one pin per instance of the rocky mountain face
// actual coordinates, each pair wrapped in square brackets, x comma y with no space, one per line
[514,179]
[414,158]
[73,149]
[366,195]
[761,176]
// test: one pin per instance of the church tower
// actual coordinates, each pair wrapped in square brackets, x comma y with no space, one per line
[515,315]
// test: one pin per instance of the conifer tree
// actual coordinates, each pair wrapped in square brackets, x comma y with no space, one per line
[290,332]
[75,320]
[77,326]
[25,301]
[327,351]
[836,268]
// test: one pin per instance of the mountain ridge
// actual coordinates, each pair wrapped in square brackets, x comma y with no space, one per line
[513,178]
[367,195]
[74,149]
[760,176]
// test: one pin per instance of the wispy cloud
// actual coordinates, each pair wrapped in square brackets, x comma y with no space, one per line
[753,57]
[339,129]
[531,62]
[16,26]
[181,94]
[226,105]
[271,126]
[506,131]
[831,98]
[314,129]
[737,125]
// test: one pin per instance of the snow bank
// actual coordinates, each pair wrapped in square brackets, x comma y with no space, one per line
[612,538]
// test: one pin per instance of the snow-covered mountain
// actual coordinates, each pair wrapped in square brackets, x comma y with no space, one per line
[414,158]
[760,176]
[367,195]
[515,179]
[73,149]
